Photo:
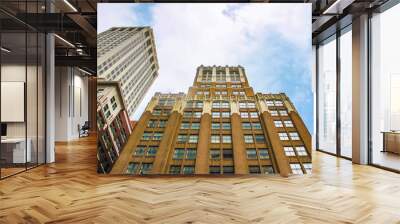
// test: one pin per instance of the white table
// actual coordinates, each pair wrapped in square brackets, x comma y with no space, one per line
[17,145]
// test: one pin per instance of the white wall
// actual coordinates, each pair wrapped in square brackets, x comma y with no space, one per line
[71,103]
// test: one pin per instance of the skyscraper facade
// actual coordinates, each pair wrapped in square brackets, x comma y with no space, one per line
[128,55]
[219,127]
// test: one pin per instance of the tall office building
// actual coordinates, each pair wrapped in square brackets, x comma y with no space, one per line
[113,124]
[128,55]
[220,127]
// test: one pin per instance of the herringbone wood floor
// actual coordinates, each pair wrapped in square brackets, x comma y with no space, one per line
[70,191]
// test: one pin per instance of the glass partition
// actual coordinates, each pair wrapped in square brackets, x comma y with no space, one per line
[385,89]
[327,95]
[22,90]
[346,92]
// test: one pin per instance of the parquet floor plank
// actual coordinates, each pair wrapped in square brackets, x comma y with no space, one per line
[70,191]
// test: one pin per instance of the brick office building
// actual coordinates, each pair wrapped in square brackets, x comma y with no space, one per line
[219,127]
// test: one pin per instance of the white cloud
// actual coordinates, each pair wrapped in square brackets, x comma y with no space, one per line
[115,14]
[188,35]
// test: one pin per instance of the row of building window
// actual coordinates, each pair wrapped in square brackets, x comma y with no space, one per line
[224,125]
[145,168]
[157,136]
[235,86]
[206,92]
[215,154]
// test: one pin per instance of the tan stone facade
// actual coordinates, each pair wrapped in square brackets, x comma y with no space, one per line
[220,127]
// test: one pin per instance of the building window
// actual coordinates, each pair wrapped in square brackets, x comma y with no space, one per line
[251,154]
[215,139]
[139,151]
[132,168]
[269,103]
[263,153]
[260,138]
[191,154]
[215,114]
[215,170]
[256,126]
[220,86]
[175,169]
[196,114]
[248,139]
[288,123]
[301,151]
[289,151]
[166,101]
[157,136]
[179,154]
[254,170]
[226,139]
[226,126]
[151,151]
[246,125]
[152,124]
[246,104]
[182,138]
[227,153]
[296,168]
[215,126]
[294,136]
[146,168]
[187,114]
[185,125]
[236,86]
[253,114]
[215,154]
[188,170]
[244,115]
[161,123]
[308,167]
[278,124]
[193,138]
[267,169]
[196,126]
[220,104]
[194,104]
[228,169]
[274,113]
[283,136]
[278,103]
[225,114]
[283,113]
[147,136]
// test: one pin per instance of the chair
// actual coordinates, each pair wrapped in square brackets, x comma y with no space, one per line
[84,130]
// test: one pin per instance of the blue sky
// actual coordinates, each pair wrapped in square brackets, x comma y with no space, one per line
[271,41]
